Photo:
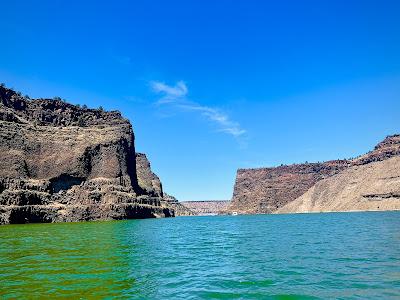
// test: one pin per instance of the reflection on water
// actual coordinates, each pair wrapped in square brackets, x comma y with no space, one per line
[76,259]
[248,257]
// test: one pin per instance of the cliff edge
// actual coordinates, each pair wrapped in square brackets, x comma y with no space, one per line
[373,186]
[60,162]
[288,188]
[150,183]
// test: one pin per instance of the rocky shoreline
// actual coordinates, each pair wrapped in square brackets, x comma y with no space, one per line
[64,163]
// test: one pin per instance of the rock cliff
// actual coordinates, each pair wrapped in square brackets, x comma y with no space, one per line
[147,180]
[150,183]
[60,162]
[267,190]
[178,207]
[372,186]
[210,207]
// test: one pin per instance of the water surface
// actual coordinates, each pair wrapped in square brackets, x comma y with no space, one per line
[305,256]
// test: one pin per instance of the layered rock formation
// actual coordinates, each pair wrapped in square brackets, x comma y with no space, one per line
[147,179]
[60,162]
[178,207]
[210,207]
[151,185]
[372,186]
[268,190]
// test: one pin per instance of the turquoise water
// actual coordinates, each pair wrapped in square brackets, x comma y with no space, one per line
[335,255]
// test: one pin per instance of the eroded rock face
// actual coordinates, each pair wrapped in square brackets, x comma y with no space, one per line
[373,186]
[148,181]
[210,207]
[150,184]
[178,207]
[265,190]
[59,162]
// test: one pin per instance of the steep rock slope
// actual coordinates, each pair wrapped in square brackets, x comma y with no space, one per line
[372,186]
[59,162]
[150,183]
[178,207]
[147,179]
[265,190]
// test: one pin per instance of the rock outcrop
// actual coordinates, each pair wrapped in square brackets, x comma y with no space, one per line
[148,181]
[150,184]
[267,190]
[60,162]
[178,207]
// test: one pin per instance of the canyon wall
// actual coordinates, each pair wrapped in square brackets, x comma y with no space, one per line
[268,190]
[210,207]
[60,162]
[372,186]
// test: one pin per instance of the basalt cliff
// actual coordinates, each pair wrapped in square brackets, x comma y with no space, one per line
[368,182]
[60,163]
[179,208]
[150,183]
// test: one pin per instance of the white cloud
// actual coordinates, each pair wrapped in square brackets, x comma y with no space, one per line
[175,96]
[172,92]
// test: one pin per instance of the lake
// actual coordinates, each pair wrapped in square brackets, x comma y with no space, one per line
[301,256]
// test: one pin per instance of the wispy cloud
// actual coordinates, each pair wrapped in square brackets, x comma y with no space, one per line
[170,94]
[176,96]
[179,90]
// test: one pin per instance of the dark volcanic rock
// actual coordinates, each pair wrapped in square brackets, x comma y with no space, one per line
[178,207]
[386,149]
[59,162]
[150,184]
[147,180]
[265,190]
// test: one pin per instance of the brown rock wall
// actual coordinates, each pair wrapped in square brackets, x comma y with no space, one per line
[60,162]
[266,190]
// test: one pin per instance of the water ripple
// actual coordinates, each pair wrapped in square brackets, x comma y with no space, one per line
[316,256]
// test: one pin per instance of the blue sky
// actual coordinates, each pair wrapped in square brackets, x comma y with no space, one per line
[212,86]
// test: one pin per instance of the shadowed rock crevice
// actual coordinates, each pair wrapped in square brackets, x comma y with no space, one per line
[28,214]
[65,182]
[377,197]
